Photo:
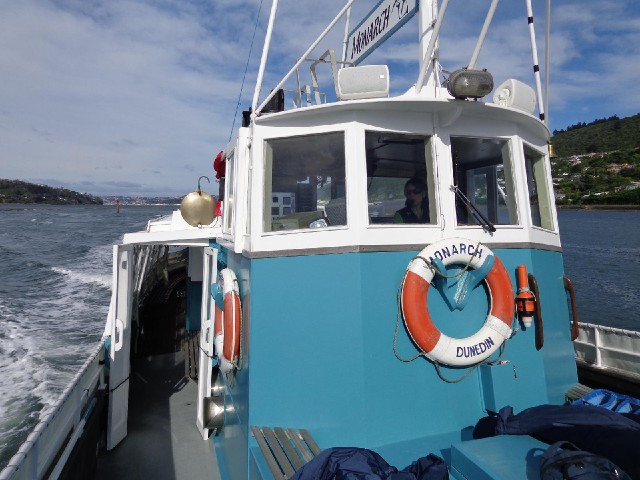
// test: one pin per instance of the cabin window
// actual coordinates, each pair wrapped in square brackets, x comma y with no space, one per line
[305,182]
[539,195]
[399,178]
[484,180]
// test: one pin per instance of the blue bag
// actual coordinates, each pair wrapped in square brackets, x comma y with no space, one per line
[565,461]
[615,402]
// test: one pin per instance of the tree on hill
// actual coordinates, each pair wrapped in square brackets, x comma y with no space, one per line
[16,191]
[602,135]
[599,162]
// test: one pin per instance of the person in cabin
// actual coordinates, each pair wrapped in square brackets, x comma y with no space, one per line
[416,208]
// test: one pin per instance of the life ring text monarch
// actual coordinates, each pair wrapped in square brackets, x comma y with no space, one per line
[415,289]
[227,321]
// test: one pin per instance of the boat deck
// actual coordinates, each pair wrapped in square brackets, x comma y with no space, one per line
[163,441]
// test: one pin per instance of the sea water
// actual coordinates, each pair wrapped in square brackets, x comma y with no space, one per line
[602,258]
[55,287]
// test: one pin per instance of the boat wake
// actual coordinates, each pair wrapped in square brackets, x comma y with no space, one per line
[45,337]
[84,278]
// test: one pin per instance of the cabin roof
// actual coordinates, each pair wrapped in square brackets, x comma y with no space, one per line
[449,110]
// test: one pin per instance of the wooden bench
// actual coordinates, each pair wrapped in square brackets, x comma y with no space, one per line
[576,392]
[285,449]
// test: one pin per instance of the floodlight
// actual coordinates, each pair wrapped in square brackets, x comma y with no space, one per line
[466,83]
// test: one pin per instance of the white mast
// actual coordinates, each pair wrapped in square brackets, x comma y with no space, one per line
[265,55]
[430,21]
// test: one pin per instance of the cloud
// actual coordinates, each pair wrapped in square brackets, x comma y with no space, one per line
[121,87]
[142,94]
[598,60]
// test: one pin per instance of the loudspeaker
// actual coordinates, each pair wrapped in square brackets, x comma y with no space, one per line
[516,94]
[366,81]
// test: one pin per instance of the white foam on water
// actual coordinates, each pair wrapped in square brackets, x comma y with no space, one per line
[19,353]
[94,267]
[45,340]
[104,280]
[54,309]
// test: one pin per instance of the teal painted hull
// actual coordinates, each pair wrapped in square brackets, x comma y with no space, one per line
[318,353]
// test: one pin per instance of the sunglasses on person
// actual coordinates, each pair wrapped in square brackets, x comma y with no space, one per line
[414,191]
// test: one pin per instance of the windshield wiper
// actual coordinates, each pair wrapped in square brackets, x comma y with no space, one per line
[477,214]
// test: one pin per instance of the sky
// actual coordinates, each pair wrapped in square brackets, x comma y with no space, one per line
[136,97]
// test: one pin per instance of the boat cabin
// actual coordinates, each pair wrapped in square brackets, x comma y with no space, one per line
[384,272]
[360,284]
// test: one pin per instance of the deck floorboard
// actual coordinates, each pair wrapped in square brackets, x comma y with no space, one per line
[163,441]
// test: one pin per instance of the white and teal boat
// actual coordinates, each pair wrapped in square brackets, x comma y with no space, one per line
[384,272]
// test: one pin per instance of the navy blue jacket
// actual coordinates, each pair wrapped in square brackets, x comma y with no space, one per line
[349,463]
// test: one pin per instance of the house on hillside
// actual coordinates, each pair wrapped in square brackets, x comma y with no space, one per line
[615,168]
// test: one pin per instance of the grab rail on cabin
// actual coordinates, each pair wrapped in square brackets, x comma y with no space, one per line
[60,426]
[533,283]
[568,286]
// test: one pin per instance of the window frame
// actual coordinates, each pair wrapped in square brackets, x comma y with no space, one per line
[229,210]
[508,154]
[267,175]
[548,191]
[431,180]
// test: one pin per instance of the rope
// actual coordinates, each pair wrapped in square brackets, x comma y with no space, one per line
[119,385]
[422,353]
[246,67]
[437,364]
[202,349]
[435,270]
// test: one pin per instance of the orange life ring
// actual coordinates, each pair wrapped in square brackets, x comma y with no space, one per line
[228,322]
[415,290]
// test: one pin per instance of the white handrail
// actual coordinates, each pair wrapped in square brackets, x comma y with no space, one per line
[536,66]
[345,42]
[303,58]
[265,55]
[483,34]
[36,455]
[547,62]
[426,61]
[597,345]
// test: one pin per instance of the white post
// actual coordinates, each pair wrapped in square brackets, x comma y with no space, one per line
[547,62]
[428,11]
[483,34]
[536,66]
[303,58]
[265,55]
[346,37]
[596,339]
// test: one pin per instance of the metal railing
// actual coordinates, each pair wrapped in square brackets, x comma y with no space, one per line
[61,425]
[608,347]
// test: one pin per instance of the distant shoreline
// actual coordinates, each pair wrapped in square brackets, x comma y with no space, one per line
[89,204]
[559,207]
[598,207]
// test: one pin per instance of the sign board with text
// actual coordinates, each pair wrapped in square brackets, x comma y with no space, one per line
[382,22]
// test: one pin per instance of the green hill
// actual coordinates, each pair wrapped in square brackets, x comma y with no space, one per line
[598,162]
[16,191]
[602,135]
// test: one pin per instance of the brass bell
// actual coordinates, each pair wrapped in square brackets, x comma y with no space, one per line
[198,208]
